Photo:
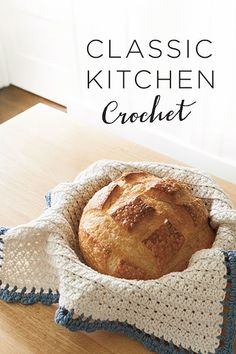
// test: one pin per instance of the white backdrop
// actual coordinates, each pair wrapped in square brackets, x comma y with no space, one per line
[4,81]
[46,54]
[3,68]
[207,138]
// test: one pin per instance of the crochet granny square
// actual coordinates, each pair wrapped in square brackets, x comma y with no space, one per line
[181,312]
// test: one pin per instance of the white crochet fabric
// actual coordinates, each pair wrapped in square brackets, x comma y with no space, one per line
[182,307]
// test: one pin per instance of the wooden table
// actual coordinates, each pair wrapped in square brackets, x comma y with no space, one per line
[39,149]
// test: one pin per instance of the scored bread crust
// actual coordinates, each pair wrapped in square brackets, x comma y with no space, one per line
[142,227]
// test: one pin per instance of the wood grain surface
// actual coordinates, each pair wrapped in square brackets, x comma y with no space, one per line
[14,100]
[40,148]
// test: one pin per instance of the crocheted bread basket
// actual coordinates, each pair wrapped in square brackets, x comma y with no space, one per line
[182,312]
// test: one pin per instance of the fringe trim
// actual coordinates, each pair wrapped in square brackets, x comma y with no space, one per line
[64,317]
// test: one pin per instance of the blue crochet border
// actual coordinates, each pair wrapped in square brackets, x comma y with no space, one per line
[48,199]
[24,297]
[2,232]
[230,303]
[159,345]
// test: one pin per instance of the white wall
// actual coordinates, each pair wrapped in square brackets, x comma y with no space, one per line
[4,80]
[46,54]
[3,68]
[206,139]
[40,47]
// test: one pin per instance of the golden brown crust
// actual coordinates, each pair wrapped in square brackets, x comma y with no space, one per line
[134,176]
[94,253]
[168,185]
[197,211]
[142,227]
[128,270]
[131,213]
[165,242]
[104,197]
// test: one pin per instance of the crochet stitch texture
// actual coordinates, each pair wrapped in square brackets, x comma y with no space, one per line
[180,312]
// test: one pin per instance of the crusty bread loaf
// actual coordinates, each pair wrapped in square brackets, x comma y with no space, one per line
[142,227]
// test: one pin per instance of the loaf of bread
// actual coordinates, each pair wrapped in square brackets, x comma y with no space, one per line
[142,227]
